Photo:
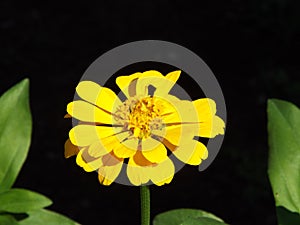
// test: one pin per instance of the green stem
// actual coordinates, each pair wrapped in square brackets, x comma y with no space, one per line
[145,205]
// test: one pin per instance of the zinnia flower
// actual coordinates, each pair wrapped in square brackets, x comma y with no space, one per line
[141,131]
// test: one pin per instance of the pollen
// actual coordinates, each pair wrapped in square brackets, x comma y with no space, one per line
[140,116]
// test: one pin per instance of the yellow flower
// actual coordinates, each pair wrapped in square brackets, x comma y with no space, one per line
[141,130]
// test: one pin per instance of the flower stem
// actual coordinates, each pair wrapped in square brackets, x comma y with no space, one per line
[145,205]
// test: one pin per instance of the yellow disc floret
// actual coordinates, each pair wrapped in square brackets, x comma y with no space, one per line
[140,116]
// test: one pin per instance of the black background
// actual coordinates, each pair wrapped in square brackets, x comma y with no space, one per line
[251,46]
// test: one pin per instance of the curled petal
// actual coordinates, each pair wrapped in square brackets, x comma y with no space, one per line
[127,84]
[151,77]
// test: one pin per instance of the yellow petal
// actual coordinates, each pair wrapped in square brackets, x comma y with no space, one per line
[173,76]
[84,135]
[176,134]
[191,152]
[107,144]
[70,149]
[127,84]
[87,166]
[110,171]
[179,133]
[211,128]
[151,77]
[206,108]
[97,95]
[210,125]
[96,149]
[153,150]
[137,175]
[89,113]
[164,86]
[162,173]
[126,149]
[183,111]
[110,159]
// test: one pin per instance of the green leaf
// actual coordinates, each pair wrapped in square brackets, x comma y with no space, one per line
[22,201]
[284,155]
[15,132]
[7,220]
[202,221]
[42,217]
[187,217]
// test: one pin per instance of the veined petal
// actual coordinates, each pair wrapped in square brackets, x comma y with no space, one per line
[137,174]
[162,173]
[97,95]
[84,135]
[126,148]
[70,149]
[191,152]
[87,112]
[110,169]
[153,150]
[127,84]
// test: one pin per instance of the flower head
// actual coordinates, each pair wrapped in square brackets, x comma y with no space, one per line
[143,130]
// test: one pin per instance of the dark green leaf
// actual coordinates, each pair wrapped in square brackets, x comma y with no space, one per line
[7,220]
[42,217]
[21,201]
[202,221]
[15,132]
[284,155]
[186,217]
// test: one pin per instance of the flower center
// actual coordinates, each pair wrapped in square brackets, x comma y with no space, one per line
[140,116]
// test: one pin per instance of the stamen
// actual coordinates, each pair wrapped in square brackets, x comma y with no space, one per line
[140,116]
